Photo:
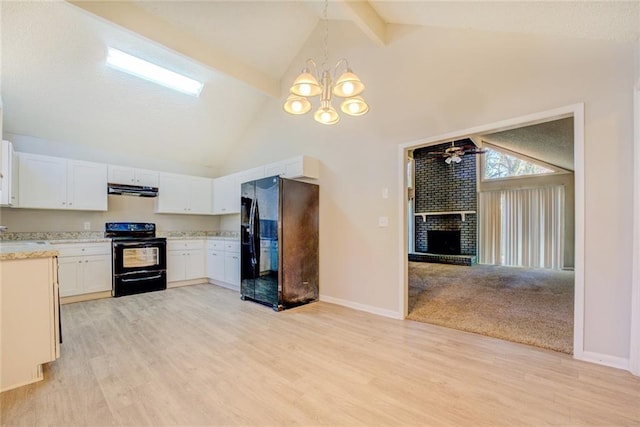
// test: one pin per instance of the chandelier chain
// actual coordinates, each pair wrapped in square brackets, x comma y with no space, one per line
[325,61]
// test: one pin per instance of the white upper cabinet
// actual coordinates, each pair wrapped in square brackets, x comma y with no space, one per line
[46,182]
[184,194]
[251,174]
[296,167]
[226,194]
[86,186]
[133,176]
[42,182]
[8,178]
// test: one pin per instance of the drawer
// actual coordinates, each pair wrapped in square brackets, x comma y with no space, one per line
[232,246]
[217,245]
[176,245]
[81,249]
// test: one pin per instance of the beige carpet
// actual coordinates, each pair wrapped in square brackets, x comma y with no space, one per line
[529,306]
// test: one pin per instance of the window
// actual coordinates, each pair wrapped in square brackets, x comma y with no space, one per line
[502,164]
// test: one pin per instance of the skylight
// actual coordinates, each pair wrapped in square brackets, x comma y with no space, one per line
[153,73]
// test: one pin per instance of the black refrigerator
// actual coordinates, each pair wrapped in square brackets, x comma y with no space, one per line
[279,236]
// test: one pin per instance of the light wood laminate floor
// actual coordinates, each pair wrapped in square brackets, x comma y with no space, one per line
[198,355]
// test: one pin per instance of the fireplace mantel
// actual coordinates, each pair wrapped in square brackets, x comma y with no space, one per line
[462,214]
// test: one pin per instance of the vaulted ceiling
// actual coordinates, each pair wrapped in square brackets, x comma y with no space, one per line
[55,85]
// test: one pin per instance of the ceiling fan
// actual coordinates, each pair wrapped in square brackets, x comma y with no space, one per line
[454,153]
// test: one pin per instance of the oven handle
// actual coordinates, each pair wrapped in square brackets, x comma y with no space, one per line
[159,276]
[140,244]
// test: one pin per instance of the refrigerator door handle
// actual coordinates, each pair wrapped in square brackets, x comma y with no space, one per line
[252,249]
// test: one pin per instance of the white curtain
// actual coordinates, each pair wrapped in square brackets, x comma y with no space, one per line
[489,229]
[531,223]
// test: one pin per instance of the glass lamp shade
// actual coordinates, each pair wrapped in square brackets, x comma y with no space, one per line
[297,105]
[348,85]
[306,85]
[326,115]
[354,106]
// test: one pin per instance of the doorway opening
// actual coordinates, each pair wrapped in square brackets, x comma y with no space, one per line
[525,284]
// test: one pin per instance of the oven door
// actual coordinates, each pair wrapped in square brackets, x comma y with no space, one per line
[136,256]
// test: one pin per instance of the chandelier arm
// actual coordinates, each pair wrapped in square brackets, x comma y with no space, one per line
[340,62]
[311,64]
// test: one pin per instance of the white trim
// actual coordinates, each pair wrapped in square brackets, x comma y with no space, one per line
[605,360]
[634,339]
[362,307]
[577,112]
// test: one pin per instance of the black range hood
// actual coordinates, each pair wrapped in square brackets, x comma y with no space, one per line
[132,190]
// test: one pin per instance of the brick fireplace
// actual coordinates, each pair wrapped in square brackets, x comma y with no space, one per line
[447,193]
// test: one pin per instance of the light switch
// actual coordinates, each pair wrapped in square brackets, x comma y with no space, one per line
[87,226]
[383,221]
[385,193]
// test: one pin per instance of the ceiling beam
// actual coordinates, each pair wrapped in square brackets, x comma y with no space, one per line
[368,20]
[127,15]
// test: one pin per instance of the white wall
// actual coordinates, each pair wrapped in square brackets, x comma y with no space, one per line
[121,208]
[429,82]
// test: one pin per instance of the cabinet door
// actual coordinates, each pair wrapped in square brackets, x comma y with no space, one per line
[97,273]
[195,268]
[87,186]
[42,182]
[200,196]
[173,194]
[274,169]
[6,173]
[70,275]
[176,264]
[121,175]
[147,178]
[232,269]
[226,194]
[215,265]
[252,174]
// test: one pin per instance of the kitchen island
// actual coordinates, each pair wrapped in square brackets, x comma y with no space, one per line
[29,311]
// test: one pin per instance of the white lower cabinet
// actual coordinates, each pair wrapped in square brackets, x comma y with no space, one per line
[185,260]
[223,262]
[232,268]
[84,268]
[28,320]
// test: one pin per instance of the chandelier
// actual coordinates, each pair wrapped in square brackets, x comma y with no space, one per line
[311,83]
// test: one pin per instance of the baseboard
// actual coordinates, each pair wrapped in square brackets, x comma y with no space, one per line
[186,283]
[225,285]
[604,359]
[85,297]
[362,307]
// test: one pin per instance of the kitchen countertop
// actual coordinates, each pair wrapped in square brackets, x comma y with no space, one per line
[26,250]
[61,237]
[57,237]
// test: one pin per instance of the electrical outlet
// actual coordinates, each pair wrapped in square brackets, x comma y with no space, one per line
[87,226]
[383,221]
